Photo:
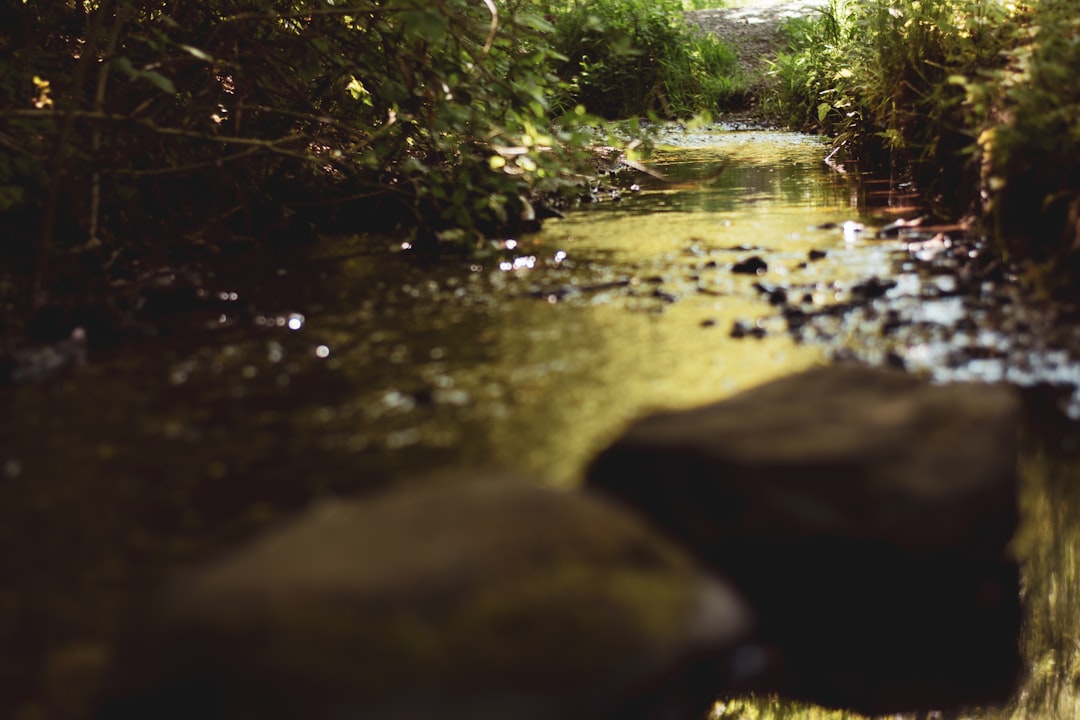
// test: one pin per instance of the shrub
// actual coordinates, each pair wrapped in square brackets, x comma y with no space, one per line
[630,57]
[887,79]
[130,124]
[1033,153]
[142,126]
[981,100]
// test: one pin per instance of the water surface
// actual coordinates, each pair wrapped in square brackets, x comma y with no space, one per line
[350,366]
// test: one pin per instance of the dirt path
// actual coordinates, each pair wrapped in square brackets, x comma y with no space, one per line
[752,27]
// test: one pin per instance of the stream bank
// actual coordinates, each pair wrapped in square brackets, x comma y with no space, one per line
[968,100]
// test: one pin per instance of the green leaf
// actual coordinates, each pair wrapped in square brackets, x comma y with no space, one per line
[823,110]
[392,92]
[623,46]
[424,24]
[124,65]
[412,166]
[10,196]
[160,81]
[700,120]
[534,22]
[163,83]
[196,53]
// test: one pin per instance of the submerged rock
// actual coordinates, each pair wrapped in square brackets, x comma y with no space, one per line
[864,513]
[753,265]
[492,600]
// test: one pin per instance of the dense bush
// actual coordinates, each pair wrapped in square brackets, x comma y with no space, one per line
[629,57]
[980,100]
[137,122]
[1033,150]
[882,78]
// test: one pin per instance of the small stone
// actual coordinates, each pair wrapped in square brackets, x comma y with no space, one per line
[897,227]
[741,329]
[753,265]
[776,295]
[872,289]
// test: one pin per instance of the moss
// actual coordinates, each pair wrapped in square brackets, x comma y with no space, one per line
[468,588]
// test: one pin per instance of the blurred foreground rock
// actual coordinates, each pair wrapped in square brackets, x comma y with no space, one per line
[460,601]
[865,514]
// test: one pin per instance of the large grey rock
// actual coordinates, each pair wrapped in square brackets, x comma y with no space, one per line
[469,601]
[865,514]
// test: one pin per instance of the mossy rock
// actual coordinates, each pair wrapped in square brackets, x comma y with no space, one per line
[865,514]
[463,600]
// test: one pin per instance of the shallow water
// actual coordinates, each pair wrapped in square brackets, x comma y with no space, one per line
[350,366]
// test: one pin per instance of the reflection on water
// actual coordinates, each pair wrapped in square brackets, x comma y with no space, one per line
[353,366]
[1050,546]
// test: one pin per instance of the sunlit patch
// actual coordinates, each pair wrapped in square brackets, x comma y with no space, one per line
[402,438]
[852,230]
[525,262]
[322,351]
[395,400]
[295,321]
[44,88]
[766,707]
[452,397]
[443,381]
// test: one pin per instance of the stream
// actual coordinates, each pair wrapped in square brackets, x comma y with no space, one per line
[347,367]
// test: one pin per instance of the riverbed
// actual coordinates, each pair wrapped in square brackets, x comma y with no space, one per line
[351,367]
